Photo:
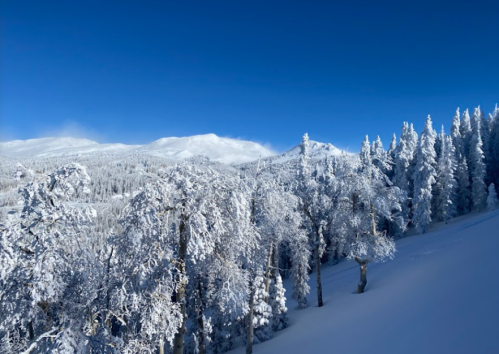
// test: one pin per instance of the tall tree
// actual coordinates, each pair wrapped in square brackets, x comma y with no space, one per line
[477,164]
[313,209]
[462,174]
[446,183]
[424,177]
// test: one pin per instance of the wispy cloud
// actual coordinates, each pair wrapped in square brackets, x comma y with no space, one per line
[73,129]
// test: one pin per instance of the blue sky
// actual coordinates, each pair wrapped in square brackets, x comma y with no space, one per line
[268,71]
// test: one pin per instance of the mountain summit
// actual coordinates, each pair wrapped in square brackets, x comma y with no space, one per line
[217,149]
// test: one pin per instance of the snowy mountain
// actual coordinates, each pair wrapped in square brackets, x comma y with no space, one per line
[217,149]
[439,295]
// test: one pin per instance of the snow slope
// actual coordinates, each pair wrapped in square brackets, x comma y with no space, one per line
[218,149]
[439,295]
[317,151]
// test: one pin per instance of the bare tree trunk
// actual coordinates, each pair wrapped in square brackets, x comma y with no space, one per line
[363,276]
[180,294]
[318,273]
[317,256]
[200,318]
[267,273]
[161,347]
[249,340]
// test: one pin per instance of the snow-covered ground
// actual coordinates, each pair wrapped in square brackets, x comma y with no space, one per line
[439,295]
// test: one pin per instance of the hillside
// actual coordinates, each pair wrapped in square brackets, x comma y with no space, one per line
[439,295]
[217,149]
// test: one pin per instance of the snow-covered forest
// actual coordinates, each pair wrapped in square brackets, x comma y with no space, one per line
[137,253]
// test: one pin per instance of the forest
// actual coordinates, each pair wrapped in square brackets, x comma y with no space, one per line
[131,253]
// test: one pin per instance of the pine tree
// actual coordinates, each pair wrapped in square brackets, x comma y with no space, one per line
[492,198]
[278,304]
[424,177]
[466,132]
[493,164]
[477,164]
[393,147]
[446,182]
[462,174]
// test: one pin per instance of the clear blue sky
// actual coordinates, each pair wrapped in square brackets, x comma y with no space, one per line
[134,71]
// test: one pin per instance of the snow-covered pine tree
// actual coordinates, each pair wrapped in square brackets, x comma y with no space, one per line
[477,164]
[278,304]
[313,209]
[403,157]
[446,183]
[424,177]
[262,314]
[393,147]
[493,164]
[380,157]
[492,197]
[462,174]
[466,132]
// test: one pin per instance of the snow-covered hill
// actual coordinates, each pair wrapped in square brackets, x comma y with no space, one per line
[317,151]
[217,149]
[439,295]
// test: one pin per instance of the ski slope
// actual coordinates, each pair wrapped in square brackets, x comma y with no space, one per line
[439,295]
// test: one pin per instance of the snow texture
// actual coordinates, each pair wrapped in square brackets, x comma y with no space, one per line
[439,295]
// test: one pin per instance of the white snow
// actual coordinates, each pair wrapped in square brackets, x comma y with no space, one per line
[317,151]
[217,149]
[439,295]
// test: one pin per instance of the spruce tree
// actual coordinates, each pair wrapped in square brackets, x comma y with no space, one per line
[492,197]
[477,164]
[462,173]
[424,177]
[446,182]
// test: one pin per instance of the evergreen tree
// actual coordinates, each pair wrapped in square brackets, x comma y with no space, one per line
[466,132]
[493,164]
[477,164]
[446,182]
[462,174]
[424,177]
[492,197]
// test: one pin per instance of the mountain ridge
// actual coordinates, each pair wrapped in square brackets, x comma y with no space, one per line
[217,149]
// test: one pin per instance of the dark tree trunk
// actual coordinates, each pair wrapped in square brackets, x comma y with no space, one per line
[363,276]
[200,318]
[249,340]
[180,294]
[267,273]
[318,272]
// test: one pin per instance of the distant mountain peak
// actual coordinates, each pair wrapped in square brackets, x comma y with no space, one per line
[225,150]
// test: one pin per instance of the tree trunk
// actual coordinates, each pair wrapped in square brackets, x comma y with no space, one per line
[180,294]
[161,347]
[317,256]
[200,318]
[267,273]
[249,340]
[318,272]
[363,276]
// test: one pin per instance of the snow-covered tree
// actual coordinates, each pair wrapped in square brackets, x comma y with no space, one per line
[493,162]
[314,206]
[463,198]
[424,177]
[50,276]
[477,164]
[492,197]
[466,132]
[445,182]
